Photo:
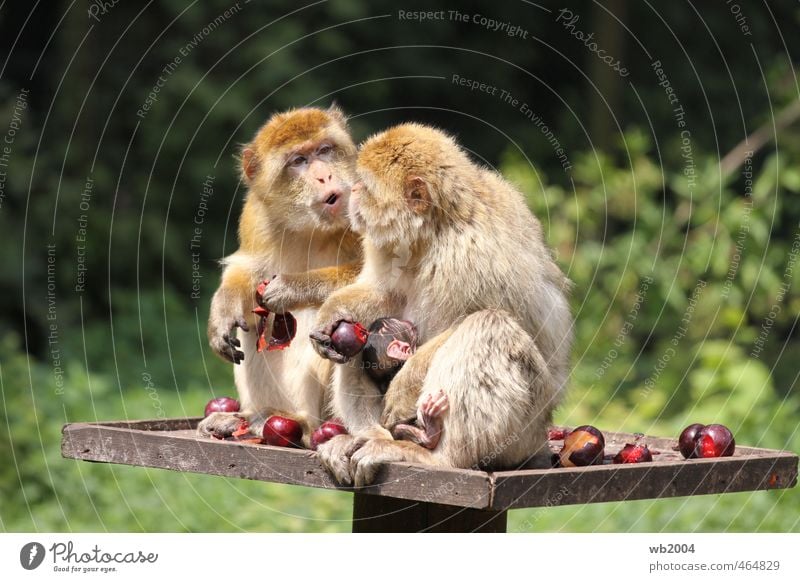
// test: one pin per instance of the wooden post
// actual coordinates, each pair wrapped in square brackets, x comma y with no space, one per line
[380,514]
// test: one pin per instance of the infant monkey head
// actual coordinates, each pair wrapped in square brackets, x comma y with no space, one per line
[390,343]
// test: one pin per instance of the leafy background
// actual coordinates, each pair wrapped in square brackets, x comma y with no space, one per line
[721,254]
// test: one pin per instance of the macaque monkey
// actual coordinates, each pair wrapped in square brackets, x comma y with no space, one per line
[299,169]
[488,301]
[390,343]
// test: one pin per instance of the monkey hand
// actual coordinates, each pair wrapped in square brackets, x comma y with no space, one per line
[224,317]
[321,336]
[220,424]
[335,456]
[281,294]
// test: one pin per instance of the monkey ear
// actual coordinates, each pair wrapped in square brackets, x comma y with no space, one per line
[417,194]
[250,163]
[337,114]
[398,350]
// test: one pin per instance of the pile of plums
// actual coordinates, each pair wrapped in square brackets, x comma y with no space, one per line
[278,431]
[583,446]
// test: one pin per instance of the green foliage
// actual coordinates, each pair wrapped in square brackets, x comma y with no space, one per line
[685,304]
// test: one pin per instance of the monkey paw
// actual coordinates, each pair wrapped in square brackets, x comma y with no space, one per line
[432,408]
[220,424]
[279,296]
[367,460]
[222,340]
[321,338]
[335,456]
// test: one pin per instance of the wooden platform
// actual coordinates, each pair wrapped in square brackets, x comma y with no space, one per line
[408,497]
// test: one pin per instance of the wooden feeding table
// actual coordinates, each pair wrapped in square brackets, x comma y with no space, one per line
[408,497]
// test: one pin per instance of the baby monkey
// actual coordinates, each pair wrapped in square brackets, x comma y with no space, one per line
[390,343]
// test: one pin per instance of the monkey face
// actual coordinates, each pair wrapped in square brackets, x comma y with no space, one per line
[302,164]
[318,177]
[390,343]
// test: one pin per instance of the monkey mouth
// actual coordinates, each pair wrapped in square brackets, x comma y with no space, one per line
[329,204]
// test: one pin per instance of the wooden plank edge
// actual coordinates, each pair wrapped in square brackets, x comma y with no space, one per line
[115,444]
[538,488]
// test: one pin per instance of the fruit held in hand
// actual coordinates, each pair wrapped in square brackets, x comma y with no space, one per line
[633,453]
[284,329]
[706,441]
[348,338]
[221,404]
[284,325]
[326,431]
[280,431]
[582,447]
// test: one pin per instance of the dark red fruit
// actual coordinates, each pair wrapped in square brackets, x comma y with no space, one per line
[284,329]
[284,326]
[221,404]
[686,442]
[714,440]
[348,338]
[582,447]
[325,432]
[282,432]
[706,441]
[633,453]
[557,434]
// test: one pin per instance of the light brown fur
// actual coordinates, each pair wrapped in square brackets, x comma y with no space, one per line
[285,227]
[482,288]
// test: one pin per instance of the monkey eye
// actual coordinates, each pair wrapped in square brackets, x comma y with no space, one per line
[324,149]
[296,161]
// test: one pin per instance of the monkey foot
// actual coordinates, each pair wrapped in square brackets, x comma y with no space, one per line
[221,424]
[335,455]
[429,418]
[372,455]
[432,408]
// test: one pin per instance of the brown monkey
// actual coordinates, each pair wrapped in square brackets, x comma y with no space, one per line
[488,301]
[298,169]
[391,342]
